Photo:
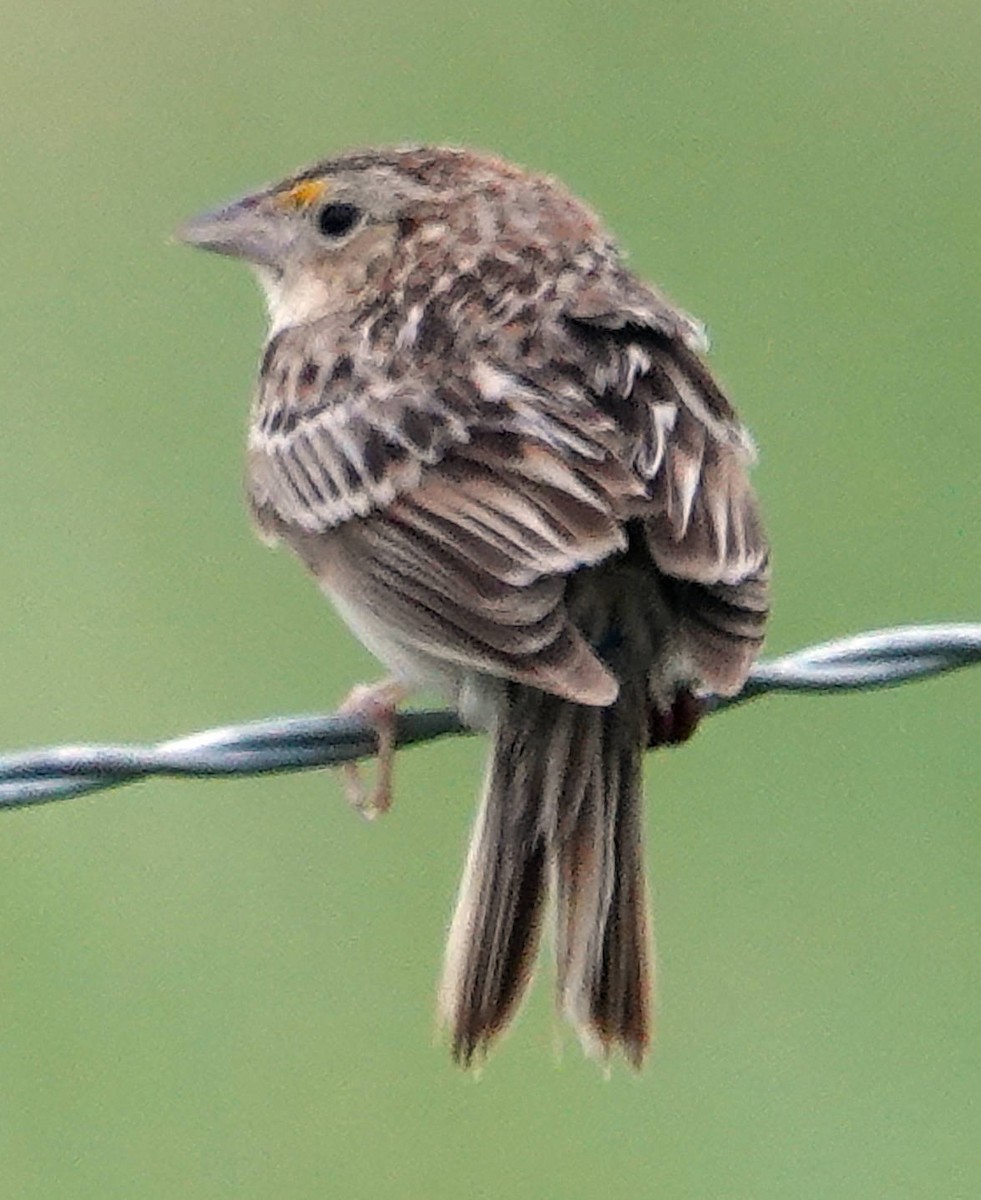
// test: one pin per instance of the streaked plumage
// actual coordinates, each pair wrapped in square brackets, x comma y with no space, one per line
[503,458]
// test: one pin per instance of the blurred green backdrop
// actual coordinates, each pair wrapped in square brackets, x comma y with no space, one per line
[224,989]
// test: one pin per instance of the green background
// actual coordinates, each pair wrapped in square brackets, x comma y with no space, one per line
[225,989]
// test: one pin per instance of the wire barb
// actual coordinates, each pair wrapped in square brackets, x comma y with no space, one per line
[884,658]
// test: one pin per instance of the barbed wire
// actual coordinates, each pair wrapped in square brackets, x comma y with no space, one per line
[880,659]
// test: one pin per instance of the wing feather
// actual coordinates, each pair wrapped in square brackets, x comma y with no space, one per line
[462,504]
[471,567]
[702,522]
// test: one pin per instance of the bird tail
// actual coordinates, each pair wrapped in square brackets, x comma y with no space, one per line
[561,805]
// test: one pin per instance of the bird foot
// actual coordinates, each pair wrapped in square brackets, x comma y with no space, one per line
[377,705]
[676,724]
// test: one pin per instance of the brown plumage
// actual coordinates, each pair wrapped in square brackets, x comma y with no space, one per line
[503,458]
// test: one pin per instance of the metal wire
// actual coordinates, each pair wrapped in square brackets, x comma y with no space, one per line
[884,658]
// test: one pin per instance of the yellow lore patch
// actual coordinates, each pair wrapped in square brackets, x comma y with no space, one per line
[303,194]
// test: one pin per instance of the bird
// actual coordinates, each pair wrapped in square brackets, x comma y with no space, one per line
[503,458]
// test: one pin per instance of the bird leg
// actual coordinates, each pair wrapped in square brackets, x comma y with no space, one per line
[377,705]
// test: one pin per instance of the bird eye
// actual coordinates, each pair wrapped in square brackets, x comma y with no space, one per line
[335,220]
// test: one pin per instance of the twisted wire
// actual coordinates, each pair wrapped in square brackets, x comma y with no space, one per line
[880,659]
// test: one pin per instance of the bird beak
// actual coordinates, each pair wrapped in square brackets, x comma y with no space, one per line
[244,229]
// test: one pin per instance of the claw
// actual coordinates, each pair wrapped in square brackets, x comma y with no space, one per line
[377,705]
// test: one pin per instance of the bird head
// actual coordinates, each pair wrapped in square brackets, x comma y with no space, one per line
[347,230]
[316,239]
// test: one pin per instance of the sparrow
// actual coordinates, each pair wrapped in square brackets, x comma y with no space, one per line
[503,458]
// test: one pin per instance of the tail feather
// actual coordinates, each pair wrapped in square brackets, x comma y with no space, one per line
[494,934]
[562,801]
[602,927]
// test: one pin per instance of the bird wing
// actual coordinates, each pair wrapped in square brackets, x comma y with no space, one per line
[480,492]
[471,566]
[701,521]
[325,446]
